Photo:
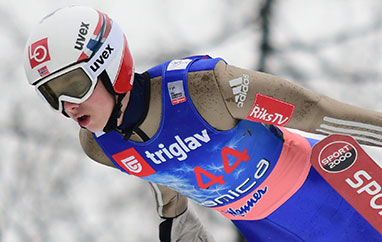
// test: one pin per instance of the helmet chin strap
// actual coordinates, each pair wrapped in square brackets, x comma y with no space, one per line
[112,123]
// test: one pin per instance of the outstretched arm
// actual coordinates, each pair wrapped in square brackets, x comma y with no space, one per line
[312,112]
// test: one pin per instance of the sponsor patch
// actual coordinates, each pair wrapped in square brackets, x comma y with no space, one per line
[133,163]
[176,92]
[179,149]
[178,64]
[38,52]
[270,110]
[240,89]
[249,204]
[337,156]
[358,179]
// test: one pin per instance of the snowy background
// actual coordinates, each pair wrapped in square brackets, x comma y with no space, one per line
[51,192]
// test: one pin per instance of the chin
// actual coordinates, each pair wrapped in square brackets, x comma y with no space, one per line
[94,128]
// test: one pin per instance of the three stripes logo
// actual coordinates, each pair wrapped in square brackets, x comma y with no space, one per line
[240,88]
[360,131]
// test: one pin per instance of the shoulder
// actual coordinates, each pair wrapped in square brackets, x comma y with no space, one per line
[92,149]
[205,92]
[207,85]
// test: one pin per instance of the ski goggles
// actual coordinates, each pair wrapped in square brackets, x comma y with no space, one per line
[76,83]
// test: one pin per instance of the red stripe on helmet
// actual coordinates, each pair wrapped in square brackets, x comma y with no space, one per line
[107,27]
[99,24]
[124,82]
[82,57]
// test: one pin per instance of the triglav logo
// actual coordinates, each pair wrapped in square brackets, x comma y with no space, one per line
[240,89]
[179,149]
[133,163]
[38,52]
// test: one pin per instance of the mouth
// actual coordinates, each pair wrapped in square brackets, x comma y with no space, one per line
[83,120]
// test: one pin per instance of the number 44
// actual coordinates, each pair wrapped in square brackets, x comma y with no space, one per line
[241,156]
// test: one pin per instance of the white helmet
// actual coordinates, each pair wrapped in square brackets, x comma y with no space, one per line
[70,48]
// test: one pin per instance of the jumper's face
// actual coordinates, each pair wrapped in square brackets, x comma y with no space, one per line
[95,111]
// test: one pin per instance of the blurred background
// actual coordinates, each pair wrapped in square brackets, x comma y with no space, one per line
[51,192]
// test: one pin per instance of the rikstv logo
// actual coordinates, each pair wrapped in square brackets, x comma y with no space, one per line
[270,110]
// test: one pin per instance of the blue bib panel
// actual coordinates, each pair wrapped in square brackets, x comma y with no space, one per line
[211,167]
[230,171]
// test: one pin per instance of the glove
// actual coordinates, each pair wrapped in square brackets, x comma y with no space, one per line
[183,228]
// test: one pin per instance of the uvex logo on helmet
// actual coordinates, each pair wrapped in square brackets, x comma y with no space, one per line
[82,32]
[38,52]
[102,58]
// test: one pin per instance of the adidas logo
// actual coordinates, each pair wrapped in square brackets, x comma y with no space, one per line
[239,89]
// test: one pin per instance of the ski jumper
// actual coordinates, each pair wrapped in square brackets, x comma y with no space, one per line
[254,174]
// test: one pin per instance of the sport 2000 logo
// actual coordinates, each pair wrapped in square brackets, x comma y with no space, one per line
[38,52]
[337,156]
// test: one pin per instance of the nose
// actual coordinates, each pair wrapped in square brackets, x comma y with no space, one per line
[70,107]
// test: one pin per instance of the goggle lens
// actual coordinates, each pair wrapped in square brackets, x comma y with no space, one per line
[74,84]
